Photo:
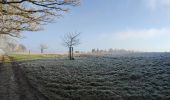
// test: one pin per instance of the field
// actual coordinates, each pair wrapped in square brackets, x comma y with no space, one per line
[101,78]
[22,57]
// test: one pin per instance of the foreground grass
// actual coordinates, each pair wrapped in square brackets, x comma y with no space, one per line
[101,78]
[21,57]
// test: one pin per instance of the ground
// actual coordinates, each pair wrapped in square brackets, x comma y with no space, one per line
[13,83]
[89,78]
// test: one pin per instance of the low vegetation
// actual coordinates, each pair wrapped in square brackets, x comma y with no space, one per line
[101,78]
[21,57]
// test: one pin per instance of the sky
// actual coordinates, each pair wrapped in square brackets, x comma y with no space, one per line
[140,25]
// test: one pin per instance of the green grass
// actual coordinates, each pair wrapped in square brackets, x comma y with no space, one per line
[21,57]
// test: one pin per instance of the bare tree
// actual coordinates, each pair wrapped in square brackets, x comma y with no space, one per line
[93,50]
[43,47]
[21,48]
[7,43]
[70,40]
[10,47]
[17,16]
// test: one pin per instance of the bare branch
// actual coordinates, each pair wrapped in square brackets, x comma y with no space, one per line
[71,39]
[17,16]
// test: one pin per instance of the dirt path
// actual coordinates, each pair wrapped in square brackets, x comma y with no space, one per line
[8,86]
[14,84]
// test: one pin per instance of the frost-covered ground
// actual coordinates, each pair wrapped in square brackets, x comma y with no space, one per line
[101,78]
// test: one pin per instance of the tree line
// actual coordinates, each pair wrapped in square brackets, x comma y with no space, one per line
[9,44]
[111,51]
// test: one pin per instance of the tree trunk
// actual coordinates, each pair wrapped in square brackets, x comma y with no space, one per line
[42,51]
[70,53]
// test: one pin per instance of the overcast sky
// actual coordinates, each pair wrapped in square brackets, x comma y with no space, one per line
[142,25]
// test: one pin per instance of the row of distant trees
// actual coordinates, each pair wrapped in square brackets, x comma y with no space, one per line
[8,44]
[111,50]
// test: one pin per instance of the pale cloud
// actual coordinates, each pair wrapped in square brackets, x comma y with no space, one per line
[135,34]
[155,4]
[152,4]
[152,39]
[142,34]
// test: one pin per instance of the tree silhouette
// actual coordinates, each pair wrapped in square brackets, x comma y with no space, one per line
[17,16]
[43,47]
[70,40]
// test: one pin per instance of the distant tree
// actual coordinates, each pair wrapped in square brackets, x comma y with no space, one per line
[77,51]
[101,51]
[70,40]
[110,50]
[21,48]
[11,47]
[43,47]
[29,51]
[7,43]
[93,50]
[15,47]
[17,16]
[97,50]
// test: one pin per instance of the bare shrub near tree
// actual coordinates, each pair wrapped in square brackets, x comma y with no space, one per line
[17,16]
[70,40]
[43,47]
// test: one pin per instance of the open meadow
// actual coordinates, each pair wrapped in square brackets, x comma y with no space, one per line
[22,57]
[101,78]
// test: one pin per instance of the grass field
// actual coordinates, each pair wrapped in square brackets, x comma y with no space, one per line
[21,57]
[101,78]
